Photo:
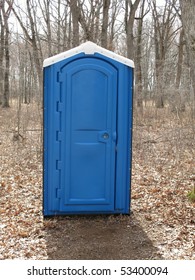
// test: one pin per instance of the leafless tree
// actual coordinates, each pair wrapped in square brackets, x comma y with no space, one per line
[156,42]
[2,35]
[188,22]
[5,52]
[75,21]
[130,10]
[45,7]
[31,36]
[164,32]
[138,56]
[104,37]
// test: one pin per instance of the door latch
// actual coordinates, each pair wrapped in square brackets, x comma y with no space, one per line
[103,136]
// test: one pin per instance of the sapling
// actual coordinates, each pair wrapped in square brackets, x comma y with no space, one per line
[191,194]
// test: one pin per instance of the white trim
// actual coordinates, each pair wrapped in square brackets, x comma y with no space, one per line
[87,48]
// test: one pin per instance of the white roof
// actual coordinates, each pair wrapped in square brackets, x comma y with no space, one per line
[87,48]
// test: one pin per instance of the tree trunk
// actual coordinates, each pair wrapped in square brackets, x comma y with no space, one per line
[34,41]
[180,59]
[97,22]
[6,13]
[46,13]
[104,37]
[163,33]
[179,96]
[138,69]
[75,22]
[129,20]
[188,22]
[1,58]
[7,68]
[58,28]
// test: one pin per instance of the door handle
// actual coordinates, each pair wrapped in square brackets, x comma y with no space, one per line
[103,136]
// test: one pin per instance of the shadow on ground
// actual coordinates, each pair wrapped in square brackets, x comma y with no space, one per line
[98,238]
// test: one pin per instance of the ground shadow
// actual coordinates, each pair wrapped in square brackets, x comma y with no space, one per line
[98,237]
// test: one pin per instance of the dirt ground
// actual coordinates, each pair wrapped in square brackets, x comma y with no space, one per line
[161,225]
[99,238]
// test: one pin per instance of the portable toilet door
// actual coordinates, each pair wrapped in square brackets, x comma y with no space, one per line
[88,93]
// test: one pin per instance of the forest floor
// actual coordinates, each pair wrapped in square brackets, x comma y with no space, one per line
[161,226]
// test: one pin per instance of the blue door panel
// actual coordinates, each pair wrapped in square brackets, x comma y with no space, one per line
[88,174]
[89,92]
[89,99]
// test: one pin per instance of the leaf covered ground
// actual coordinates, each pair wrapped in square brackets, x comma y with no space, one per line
[162,223]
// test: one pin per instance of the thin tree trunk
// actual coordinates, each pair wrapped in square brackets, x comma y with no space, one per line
[180,60]
[104,36]
[46,13]
[58,28]
[188,22]
[7,68]
[1,58]
[138,72]
[97,23]
[6,13]
[38,64]
[75,22]
[129,19]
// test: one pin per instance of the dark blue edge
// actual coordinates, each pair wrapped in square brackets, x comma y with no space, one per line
[130,137]
[44,158]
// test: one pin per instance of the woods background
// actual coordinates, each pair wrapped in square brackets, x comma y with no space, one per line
[158,35]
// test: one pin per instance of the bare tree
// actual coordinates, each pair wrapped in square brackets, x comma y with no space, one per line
[75,21]
[31,36]
[163,33]
[130,10]
[156,44]
[180,59]
[138,56]
[45,9]
[104,37]
[2,38]
[188,22]
[6,53]
[114,25]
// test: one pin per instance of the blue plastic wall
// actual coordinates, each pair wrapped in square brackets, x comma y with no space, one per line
[87,136]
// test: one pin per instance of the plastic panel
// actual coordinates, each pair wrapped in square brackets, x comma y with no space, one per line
[87,135]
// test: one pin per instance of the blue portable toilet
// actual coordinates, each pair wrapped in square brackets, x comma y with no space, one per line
[88,93]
